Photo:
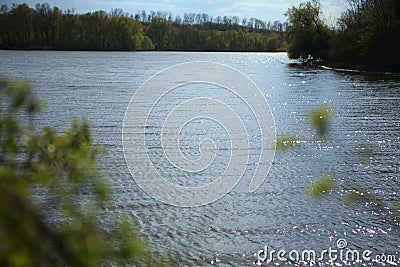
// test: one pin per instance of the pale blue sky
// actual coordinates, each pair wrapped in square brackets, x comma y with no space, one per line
[262,9]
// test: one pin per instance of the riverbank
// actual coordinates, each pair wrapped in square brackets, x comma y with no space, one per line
[280,50]
[365,67]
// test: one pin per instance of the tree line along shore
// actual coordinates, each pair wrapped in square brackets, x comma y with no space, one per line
[45,27]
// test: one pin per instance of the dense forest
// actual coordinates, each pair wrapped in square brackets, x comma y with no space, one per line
[46,27]
[367,35]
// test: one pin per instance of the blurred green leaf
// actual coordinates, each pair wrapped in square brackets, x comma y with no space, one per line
[358,193]
[46,174]
[321,186]
[397,210]
[320,119]
[287,141]
[366,153]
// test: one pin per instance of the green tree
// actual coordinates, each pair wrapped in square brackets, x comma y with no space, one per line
[158,32]
[46,175]
[368,34]
[273,42]
[147,44]
[308,36]
[21,25]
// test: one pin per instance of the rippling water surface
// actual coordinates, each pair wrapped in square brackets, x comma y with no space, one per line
[98,86]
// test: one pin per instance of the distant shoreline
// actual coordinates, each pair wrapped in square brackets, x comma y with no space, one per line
[351,67]
[359,67]
[137,50]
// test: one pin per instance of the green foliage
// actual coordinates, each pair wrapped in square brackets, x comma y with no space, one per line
[287,141]
[366,36]
[308,36]
[215,37]
[396,210]
[366,153]
[322,185]
[358,193]
[50,28]
[369,30]
[320,118]
[52,192]
[147,44]
[158,31]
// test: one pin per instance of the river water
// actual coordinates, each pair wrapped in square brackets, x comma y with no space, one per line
[280,214]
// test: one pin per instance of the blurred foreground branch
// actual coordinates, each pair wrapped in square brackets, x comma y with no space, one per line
[45,175]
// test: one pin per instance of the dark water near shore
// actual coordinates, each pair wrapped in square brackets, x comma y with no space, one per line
[99,85]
